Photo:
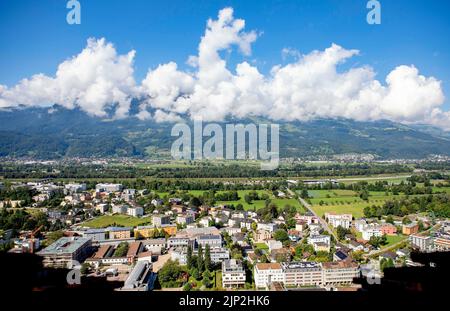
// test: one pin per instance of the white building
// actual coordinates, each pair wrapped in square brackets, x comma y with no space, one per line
[266,273]
[106,187]
[336,220]
[119,209]
[370,231]
[135,211]
[271,227]
[233,273]
[423,243]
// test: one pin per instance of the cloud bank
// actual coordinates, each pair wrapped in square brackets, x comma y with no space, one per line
[99,80]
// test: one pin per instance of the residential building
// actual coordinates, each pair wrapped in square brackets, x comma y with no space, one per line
[74,188]
[262,236]
[185,219]
[270,227]
[336,220]
[388,229]
[217,254]
[159,220]
[106,187]
[370,231]
[233,273]
[339,272]
[119,209]
[213,240]
[411,228]
[266,273]
[302,274]
[442,243]
[273,245]
[119,233]
[422,242]
[137,211]
[180,242]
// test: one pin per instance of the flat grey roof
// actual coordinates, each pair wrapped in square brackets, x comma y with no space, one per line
[65,245]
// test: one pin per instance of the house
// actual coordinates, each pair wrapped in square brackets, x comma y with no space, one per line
[360,224]
[294,235]
[233,274]
[355,246]
[156,202]
[273,245]
[270,227]
[159,220]
[340,255]
[261,236]
[388,229]
[370,231]
[300,225]
[411,228]
[185,219]
[230,230]
[137,211]
[319,239]
[205,221]
[247,224]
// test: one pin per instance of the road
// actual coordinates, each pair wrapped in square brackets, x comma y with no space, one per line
[376,253]
[323,223]
[373,178]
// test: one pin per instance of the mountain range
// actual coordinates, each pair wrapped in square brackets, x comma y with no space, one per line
[56,132]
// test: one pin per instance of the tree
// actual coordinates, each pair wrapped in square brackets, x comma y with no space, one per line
[85,268]
[341,232]
[169,275]
[189,257]
[200,262]
[207,260]
[247,199]
[304,194]
[281,235]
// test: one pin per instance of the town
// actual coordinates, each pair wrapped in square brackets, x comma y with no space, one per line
[228,234]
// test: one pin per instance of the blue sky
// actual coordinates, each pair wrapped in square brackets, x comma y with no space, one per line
[35,38]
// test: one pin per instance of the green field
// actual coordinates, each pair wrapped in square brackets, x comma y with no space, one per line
[355,209]
[257,204]
[118,220]
[392,239]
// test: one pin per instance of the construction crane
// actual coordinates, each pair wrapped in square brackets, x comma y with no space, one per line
[36,231]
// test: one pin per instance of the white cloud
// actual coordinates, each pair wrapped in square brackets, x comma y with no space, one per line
[94,80]
[311,86]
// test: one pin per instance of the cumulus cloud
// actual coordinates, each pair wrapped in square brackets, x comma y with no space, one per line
[94,80]
[311,86]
